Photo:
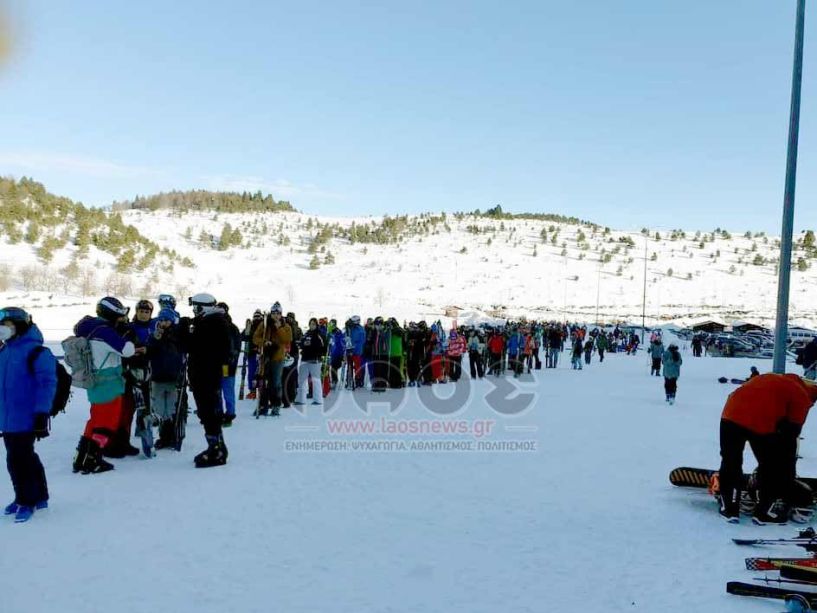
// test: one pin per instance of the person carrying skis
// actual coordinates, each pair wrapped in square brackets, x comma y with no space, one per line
[273,339]
[672,370]
[166,372]
[656,353]
[28,384]
[137,386]
[313,349]
[106,395]
[206,340]
[768,412]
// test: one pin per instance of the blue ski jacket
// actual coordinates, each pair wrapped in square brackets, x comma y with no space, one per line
[358,336]
[23,392]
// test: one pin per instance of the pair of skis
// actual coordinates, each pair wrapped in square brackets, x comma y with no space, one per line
[796,571]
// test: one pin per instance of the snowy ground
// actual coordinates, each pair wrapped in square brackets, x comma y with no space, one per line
[586,522]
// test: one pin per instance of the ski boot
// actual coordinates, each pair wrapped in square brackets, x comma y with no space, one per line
[227,420]
[23,514]
[165,439]
[214,455]
[89,458]
[775,513]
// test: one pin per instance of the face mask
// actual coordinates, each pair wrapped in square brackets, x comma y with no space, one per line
[5,333]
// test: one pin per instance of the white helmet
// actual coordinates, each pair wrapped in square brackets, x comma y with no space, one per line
[355,319]
[200,302]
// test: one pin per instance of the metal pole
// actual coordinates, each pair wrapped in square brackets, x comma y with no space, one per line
[598,288]
[784,267]
[644,299]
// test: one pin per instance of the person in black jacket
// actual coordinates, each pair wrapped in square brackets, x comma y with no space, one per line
[313,349]
[228,381]
[166,374]
[807,357]
[206,339]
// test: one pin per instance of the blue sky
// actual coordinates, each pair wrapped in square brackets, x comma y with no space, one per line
[632,113]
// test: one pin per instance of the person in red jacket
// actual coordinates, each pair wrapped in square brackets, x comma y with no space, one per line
[496,344]
[768,412]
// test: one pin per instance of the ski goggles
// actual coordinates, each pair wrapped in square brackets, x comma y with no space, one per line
[14,314]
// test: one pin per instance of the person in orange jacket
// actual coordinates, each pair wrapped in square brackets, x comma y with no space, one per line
[768,412]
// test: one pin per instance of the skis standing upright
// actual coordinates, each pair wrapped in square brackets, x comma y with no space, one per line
[246,349]
[144,414]
[180,416]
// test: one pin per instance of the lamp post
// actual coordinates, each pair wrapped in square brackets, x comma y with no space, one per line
[784,269]
[644,297]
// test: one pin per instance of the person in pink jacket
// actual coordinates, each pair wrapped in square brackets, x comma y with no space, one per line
[456,347]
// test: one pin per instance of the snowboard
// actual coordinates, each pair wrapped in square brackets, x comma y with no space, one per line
[685,476]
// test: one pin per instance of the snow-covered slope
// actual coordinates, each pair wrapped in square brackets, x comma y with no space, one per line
[587,522]
[536,268]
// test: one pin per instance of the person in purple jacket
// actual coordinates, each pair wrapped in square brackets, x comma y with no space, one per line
[28,383]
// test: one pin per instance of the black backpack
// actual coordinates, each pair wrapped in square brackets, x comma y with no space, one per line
[63,392]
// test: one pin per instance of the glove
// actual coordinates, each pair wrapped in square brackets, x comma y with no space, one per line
[41,425]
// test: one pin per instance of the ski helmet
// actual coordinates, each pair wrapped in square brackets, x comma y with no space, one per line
[17,316]
[111,309]
[167,301]
[199,302]
[168,315]
[355,319]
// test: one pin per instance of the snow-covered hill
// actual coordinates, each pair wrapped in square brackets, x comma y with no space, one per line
[514,267]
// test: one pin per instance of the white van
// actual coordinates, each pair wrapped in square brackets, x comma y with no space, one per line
[800,336]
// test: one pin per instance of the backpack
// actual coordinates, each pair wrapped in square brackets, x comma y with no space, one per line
[80,360]
[63,392]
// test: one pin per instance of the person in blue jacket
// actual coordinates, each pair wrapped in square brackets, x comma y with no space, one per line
[357,335]
[28,383]
[337,351]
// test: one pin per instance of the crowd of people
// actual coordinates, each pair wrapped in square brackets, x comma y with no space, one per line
[137,369]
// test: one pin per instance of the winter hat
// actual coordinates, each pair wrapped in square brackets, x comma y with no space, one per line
[355,319]
[167,315]
[276,308]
